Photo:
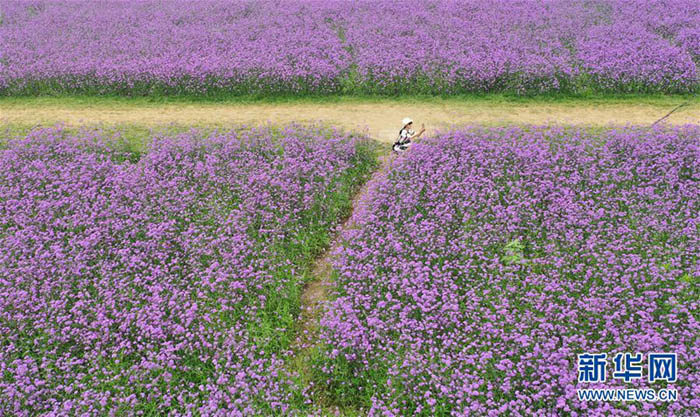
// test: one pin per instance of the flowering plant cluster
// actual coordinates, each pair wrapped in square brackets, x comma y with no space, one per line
[327,47]
[487,259]
[166,282]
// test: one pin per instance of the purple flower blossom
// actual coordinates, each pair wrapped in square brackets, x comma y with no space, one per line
[146,285]
[327,47]
[489,258]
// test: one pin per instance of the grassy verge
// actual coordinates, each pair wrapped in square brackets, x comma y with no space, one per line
[82,101]
[313,238]
[314,232]
[132,138]
[303,249]
[129,137]
[339,205]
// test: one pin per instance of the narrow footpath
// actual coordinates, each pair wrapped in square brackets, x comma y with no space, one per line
[315,296]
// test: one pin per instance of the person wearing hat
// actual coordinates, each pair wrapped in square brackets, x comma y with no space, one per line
[406,134]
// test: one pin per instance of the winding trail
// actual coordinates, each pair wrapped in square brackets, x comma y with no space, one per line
[315,296]
[317,290]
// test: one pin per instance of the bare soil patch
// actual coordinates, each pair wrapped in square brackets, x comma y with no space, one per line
[381,120]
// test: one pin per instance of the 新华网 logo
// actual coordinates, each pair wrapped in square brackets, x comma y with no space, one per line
[592,368]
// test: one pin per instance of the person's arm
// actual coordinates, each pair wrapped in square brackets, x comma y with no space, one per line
[422,129]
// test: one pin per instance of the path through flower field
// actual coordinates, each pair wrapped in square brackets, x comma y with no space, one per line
[380,118]
[204,210]
[315,296]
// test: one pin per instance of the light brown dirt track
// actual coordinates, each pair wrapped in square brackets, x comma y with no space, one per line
[381,120]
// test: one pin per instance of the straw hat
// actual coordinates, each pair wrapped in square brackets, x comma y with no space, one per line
[406,120]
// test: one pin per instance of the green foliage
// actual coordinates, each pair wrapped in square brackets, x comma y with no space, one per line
[350,96]
[302,249]
[513,253]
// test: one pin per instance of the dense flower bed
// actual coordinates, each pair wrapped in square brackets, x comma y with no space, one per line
[328,47]
[486,260]
[167,282]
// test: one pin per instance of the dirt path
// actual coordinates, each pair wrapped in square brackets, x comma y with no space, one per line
[315,296]
[317,290]
[380,119]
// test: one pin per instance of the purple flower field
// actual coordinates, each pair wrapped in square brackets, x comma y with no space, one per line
[487,259]
[166,282]
[330,47]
